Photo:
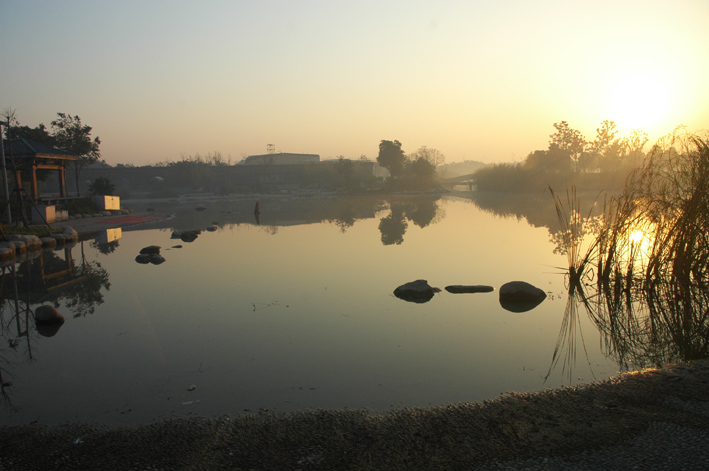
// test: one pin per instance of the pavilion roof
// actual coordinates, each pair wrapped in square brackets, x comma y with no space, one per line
[24,148]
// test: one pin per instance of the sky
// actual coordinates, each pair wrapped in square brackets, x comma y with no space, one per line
[477,80]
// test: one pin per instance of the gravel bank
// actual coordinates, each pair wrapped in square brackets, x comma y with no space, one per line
[657,419]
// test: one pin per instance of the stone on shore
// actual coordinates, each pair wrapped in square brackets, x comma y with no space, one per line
[49,242]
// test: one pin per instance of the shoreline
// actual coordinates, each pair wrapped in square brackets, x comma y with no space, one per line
[560,424]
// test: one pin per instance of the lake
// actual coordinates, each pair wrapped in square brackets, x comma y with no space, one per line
[295,311]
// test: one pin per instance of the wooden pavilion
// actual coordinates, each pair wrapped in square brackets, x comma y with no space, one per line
[23,155]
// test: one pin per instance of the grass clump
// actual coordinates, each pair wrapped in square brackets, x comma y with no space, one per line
[649,297]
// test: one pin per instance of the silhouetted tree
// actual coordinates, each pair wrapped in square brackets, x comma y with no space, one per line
[73,136]
[392,157]
[567,140]
[431,155]
[102,186]
[424,173]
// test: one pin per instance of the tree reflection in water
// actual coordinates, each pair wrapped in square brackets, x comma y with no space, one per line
[422,212]
[44,278]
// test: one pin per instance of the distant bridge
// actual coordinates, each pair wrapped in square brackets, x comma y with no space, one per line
[468,180]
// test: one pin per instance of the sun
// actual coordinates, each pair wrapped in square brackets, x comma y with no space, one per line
[640,101]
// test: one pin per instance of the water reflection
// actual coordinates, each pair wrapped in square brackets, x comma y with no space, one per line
[46,277]
[641,325]
[421,212]
[273,213]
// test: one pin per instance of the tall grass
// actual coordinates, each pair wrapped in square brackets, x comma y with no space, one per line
[573,232]
[650,299]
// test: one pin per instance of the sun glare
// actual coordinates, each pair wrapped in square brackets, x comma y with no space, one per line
[637,236]
[639,101]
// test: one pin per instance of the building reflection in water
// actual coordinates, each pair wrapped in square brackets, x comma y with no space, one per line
[51,277]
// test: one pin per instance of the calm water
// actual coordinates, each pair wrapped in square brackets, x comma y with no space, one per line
[294,313]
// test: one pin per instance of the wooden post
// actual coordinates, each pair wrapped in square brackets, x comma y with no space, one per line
[62,182]
[33,182]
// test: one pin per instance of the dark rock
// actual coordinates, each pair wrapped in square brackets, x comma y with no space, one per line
[469,289]
[211,228]
[519,296]
[201,208]
[143,258]
[47,315]
[418,291]
[176,246]
[49,330]
[150,249]
[156,259]
[189,236]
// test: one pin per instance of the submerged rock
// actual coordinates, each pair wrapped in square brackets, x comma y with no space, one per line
[418,291]
[519,296]
[469,289]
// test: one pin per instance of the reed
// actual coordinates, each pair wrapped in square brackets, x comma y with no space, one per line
[651,252]
[573,231]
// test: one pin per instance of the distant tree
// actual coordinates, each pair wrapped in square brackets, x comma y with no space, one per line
[345,170]
[605,135]
[553,160]
[433,156]
[102,186]
[73,136]
[392,157]
[424,173]
[567,140]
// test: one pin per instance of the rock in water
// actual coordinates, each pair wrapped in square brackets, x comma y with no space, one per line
[143,258]
[519,296]
[156,259]
[150,249]
[47,315]
[418,291]
[469,289]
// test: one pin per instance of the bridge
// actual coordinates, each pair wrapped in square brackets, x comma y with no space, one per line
[468,180]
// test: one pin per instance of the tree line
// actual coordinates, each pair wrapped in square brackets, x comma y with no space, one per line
[570,156]
[415,171]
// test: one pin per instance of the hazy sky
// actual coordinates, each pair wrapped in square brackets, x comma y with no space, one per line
[482,80]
